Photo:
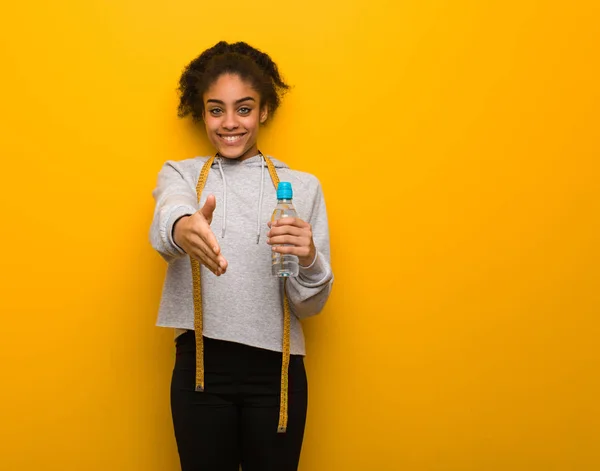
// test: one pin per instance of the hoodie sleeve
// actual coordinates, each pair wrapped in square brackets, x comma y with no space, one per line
[174,198]
[309,291]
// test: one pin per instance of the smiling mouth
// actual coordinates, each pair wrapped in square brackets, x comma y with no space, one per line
[231,139]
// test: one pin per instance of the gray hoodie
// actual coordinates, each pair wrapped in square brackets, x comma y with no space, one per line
[245,304]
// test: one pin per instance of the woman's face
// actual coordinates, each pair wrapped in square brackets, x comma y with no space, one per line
[232,116]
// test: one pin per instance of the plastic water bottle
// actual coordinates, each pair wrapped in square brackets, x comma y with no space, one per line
[284,265]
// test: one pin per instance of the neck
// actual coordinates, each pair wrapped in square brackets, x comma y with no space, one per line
[245,156]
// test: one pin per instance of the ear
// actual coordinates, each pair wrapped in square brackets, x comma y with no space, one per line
[264,114]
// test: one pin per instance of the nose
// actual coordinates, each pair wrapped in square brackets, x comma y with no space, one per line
[230,122]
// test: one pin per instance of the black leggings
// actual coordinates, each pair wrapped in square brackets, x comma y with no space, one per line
[234,421]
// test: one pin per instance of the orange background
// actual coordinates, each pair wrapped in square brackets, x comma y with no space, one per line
[457,144]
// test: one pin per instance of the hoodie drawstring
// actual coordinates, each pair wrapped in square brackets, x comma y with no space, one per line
[260,197]
[224,223]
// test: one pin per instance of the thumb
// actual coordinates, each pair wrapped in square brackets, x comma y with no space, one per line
[209,206]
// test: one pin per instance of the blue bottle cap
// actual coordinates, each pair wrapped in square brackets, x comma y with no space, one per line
[284,191]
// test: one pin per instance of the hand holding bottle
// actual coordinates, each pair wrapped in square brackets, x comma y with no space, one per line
[296,234]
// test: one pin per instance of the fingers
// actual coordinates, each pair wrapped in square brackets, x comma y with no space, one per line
[296,222]
[201,227]
[203,243]
[209,239]
[292,226]
[209,253]
[302,251]
[217,266]
[291,236]
[288,240]
[212,265]
[290,230]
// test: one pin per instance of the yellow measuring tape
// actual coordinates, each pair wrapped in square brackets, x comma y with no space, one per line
[197,285]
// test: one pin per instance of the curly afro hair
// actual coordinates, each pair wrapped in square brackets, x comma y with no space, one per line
[239,58]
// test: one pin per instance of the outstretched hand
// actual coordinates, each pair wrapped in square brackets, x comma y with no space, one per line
[194,235]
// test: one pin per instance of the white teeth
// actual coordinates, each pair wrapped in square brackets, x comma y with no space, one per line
[231,138]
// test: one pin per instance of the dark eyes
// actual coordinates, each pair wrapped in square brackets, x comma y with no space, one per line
[244,110]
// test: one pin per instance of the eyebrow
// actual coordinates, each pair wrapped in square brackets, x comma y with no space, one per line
[237,102]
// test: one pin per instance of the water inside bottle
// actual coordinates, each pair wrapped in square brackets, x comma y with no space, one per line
[284,265]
